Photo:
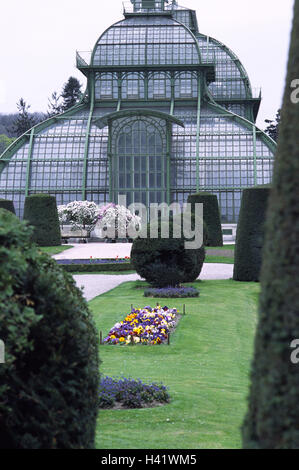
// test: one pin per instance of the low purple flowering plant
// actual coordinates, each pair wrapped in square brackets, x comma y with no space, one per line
[130,393]
[171,292]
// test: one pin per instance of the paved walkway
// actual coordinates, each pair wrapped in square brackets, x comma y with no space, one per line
[97,250]
[96,284]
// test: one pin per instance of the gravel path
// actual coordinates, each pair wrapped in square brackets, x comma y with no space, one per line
[96,284]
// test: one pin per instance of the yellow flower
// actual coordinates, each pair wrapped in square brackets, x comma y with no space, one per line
[122,339]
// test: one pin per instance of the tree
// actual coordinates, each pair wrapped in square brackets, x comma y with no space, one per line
[5,142]
[250,233]
[272,421]
[54,105]
[71,93]
[49,384]
[40,211]
[211,216]
[25,120]
[273,126]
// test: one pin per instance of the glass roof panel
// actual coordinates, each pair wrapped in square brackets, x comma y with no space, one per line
[146,41]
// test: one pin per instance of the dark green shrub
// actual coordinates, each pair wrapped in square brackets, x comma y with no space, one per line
[272,421]
[250,233]
[211,216]
[41,212]
[49,382]
[166,262]
[8,205]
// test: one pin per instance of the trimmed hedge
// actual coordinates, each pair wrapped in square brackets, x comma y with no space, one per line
[49,382]
[250,233]
[8,205]
[90,268]
[272,421]
[166,262]
[41,212]
[211,216]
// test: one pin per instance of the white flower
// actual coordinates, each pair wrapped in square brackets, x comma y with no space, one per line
[79,214]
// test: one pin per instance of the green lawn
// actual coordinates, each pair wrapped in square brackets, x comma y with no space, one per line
[224,247]
[54,250]
[206,369]
[219,259]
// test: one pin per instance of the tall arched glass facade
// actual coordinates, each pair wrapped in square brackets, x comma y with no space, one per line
[167,111]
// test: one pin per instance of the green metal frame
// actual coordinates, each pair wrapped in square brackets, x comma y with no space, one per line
[104,121]
[92,102]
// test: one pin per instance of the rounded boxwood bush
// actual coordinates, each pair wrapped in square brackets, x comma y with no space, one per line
[41,212]
[164,262]
[49,382]
[250,233]
[211,216]
[8,205]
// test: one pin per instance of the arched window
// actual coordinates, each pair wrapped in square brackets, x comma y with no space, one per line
[133,86]
[159,86]
[106,87]
[139,159]
[186,85]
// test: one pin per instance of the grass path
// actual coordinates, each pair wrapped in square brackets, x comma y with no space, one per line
[206,369]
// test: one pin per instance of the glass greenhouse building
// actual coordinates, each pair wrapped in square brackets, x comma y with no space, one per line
[167,111]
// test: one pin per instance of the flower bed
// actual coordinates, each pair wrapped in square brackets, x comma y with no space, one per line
[129,393]
[144,326]
[171,292]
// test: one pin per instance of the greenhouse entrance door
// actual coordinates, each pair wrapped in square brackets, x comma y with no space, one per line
[139,160]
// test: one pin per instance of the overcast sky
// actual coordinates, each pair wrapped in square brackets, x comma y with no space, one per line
[39,39]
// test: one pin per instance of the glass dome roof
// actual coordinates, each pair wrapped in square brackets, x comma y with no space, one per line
[146,41]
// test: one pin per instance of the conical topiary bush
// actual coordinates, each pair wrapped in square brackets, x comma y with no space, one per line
[211,216]
[8,205]
[41,212]
[272,421]
[250,233]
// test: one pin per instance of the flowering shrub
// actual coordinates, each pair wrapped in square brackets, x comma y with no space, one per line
[115,220]
[145,326]
[171,292]
[62,214]
[130,393]
[82,215]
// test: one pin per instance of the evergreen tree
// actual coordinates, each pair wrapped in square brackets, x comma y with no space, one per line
[272,421]
[25,120]
[71,93]
[54,105]
[273,126]
[5,142]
